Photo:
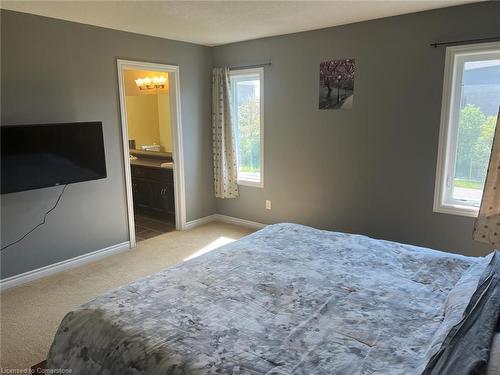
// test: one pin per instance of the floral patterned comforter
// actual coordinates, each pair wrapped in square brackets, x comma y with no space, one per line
[286,299]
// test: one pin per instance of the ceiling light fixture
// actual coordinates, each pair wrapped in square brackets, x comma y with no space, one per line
[147,83]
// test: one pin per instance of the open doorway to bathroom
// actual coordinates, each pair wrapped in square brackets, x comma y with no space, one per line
[150,124]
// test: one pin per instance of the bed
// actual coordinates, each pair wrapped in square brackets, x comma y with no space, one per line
[290,299]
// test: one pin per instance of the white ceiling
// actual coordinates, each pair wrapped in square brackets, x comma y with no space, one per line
[220,22]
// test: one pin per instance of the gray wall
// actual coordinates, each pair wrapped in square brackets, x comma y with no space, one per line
[57,71]
[371,169]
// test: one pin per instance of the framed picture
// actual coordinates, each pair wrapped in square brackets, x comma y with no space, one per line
[336,84]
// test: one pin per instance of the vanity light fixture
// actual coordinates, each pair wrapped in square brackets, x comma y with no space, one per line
[147,83]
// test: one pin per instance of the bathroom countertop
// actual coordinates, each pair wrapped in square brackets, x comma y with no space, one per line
[151,154]
[152,163]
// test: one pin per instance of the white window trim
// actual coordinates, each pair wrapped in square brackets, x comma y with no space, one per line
[260,72]
[447,136]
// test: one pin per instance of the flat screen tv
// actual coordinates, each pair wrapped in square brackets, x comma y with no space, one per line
[43,155]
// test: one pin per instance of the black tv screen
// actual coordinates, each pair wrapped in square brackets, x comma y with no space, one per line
[43,155]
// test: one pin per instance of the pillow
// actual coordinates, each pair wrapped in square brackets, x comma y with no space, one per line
[456,303]
[494,361]
[459,297]
[467,344]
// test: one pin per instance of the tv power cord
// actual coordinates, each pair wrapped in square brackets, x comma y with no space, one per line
[40,224]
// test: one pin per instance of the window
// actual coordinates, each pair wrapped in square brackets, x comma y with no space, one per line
[247,90]
[471,99]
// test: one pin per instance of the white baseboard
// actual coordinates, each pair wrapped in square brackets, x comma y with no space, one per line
[240,222]
[225,219]
[197,222]
[22,278]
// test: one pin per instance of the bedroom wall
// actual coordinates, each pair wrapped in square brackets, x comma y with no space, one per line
[370,169]
[58,71]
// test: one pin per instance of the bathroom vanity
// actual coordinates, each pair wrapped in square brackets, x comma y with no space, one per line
[153,184]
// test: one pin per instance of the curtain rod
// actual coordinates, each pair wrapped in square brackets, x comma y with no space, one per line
[450,43]
[250,66]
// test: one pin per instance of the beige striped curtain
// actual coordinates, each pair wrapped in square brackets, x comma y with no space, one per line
[224,148]
[487,226]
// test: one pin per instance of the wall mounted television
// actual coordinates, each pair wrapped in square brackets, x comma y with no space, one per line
[42,155]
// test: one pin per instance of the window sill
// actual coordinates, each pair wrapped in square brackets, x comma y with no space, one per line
[457,210]
[258,184]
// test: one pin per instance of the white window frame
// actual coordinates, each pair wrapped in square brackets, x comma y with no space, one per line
[452,93]
[242,73]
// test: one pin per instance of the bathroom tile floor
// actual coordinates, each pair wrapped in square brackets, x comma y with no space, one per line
[148,227]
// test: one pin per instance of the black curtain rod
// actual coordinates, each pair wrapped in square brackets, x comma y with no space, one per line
[451,43]
[250,66]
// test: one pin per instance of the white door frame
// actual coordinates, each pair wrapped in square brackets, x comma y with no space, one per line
[176,124]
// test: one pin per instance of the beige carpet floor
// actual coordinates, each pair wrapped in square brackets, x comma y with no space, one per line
[31,313]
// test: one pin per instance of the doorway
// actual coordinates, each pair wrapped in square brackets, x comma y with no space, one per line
[152,148]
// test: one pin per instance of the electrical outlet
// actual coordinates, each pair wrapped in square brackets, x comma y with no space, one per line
[268,204]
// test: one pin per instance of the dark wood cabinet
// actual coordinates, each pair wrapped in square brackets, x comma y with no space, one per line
[153,191]
[142,192]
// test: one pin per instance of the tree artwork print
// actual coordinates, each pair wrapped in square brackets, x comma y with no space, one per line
[336,84]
